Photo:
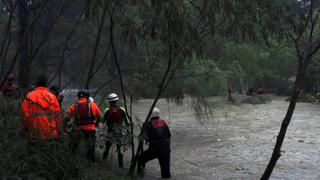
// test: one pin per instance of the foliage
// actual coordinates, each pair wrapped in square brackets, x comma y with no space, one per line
[249,65]
[23,157]
[309,98]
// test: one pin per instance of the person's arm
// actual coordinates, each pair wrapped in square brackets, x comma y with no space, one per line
[144,132]
[24,119]
[55,108]
[70,113]
[125,115]
[97,112]
[105,120]
[103,116]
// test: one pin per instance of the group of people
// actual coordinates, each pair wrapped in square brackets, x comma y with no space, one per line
[42,120]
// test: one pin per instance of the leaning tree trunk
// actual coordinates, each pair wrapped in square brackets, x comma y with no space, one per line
[303,63]
[24,64]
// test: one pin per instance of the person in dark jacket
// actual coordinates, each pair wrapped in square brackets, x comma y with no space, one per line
[156,132]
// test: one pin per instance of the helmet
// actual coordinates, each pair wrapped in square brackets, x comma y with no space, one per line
[83,93]
[113,97]
[155,112]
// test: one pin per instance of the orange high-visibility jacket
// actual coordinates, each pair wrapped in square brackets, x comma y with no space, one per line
[94,109]
[41,114]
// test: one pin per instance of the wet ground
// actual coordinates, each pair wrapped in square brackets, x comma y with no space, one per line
[237,142]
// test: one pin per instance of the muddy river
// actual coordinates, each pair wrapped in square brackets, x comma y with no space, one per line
[237,142]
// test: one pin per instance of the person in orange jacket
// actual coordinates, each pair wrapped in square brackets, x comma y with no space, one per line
[86,116]
[41,113]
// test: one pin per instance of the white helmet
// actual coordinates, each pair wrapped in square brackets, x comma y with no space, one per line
[113,97]
[155,112]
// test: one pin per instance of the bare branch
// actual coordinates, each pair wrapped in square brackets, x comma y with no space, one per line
[95,50]
[65,46]
[101,86]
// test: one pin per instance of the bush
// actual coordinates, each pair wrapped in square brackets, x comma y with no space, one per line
[309,98]
[22,157]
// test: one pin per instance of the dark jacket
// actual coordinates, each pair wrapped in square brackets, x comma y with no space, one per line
[157,133]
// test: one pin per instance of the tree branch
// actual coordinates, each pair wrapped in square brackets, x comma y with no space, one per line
[95,50]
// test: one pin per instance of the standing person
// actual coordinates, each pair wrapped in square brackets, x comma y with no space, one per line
[157,133]
[86,116]
[116,118]
[41,113]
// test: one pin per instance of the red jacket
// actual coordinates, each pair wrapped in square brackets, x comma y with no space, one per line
[8,88]
[41,114]
[72,112]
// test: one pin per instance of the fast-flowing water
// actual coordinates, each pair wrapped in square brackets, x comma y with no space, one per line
[237,142]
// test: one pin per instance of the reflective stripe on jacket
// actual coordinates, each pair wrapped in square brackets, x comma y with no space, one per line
[41,114]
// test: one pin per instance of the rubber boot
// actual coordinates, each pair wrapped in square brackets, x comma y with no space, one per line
[120,160]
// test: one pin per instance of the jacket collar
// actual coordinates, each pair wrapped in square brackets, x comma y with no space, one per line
[83,100]
[41,88]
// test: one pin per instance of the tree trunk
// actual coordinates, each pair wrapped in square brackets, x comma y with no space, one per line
[24,65]
[285,123]
[230,98]
[96,47]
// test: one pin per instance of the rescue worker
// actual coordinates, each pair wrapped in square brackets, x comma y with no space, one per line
[261,89]
[156,132]
[86,116]
[250,92]
[41,113]
[9,87]
[117,123]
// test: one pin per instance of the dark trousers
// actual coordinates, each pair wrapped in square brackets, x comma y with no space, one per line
[163,155]
[120,155]
[90,137]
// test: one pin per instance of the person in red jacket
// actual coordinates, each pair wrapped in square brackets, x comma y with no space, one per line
[86,116]
[157,133]
[9,87]
[41,113]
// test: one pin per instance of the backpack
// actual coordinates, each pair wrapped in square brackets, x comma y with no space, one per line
[84,114]
[114,115]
